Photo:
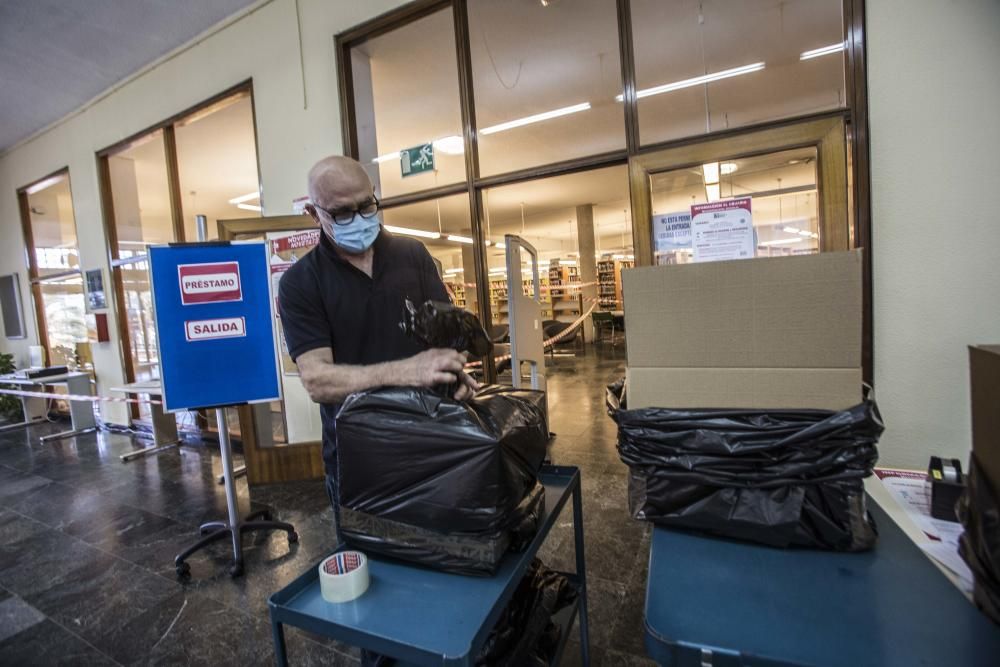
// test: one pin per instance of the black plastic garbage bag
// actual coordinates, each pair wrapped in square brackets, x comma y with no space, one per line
[440,324]
[525,635]
[979,546]
[437,481]
[787,478]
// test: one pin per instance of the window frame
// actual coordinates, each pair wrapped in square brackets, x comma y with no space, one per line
[117,263]
[35,280]
[854,114]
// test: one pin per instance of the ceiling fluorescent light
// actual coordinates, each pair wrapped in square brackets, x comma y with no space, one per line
[780,241]
[385,158]
[822,51]
[453,145]
[791,230]
[805,232]
[245,198]
[44,184]
[696,81]
[537,118]
[712,191]
[452,272]
[412,232]
[500,244]
[727,168]
[460,239]
[711,172]
[249,207]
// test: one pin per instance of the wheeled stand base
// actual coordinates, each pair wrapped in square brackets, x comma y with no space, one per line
[233,527]
[218,530]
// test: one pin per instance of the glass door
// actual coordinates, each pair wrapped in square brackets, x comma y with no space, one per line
[792,179]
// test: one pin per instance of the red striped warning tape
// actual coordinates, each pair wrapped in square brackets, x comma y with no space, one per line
[75,397]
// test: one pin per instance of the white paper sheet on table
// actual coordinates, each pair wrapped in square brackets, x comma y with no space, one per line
[947,555]
[911,490]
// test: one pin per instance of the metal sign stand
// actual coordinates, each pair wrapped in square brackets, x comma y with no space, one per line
[215,309]
[526,335]
[233,527]
[201,230]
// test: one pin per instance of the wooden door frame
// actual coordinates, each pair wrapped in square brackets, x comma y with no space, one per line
[826,134]
[278,462]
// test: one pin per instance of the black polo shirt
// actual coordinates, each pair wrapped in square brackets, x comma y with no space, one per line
[324,301]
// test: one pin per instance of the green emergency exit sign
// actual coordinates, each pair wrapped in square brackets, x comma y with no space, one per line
[416,160]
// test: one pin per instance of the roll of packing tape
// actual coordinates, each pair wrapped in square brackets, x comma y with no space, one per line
[950,473]
[343,576]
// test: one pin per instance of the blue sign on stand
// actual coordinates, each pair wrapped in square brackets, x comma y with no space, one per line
[215,324]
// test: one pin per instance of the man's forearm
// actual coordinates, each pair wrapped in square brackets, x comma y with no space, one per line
[332,383]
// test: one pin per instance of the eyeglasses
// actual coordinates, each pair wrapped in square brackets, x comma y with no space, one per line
[343,216]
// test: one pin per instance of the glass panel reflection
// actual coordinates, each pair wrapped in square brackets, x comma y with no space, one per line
[53,227]
[709,65]
[783,193]
[545,77]
[406,95]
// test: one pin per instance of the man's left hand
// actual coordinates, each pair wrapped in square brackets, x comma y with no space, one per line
[467,387]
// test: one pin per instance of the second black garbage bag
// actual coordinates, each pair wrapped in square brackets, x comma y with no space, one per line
[443,483]
[786,478]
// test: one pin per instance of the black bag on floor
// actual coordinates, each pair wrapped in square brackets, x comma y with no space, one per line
[786,478]
[525,635]
[979,546]
[435,481]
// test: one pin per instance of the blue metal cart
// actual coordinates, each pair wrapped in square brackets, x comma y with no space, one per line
[713,602]
[424,617]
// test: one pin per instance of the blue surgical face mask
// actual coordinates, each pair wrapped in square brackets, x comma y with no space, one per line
[357,235]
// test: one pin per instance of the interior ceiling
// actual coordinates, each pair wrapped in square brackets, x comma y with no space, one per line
[57,55]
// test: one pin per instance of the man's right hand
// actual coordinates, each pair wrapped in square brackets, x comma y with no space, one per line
[432,367]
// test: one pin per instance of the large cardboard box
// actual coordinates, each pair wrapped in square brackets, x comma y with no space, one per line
[760,333]
[984,374]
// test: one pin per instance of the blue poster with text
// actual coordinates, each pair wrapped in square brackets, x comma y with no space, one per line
[214,324]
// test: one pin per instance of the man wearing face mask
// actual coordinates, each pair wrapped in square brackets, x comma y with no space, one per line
[341,304]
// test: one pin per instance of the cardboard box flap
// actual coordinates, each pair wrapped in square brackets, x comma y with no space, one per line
[782,312]
[754,388]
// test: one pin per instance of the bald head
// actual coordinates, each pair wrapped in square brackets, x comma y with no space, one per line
[339,182]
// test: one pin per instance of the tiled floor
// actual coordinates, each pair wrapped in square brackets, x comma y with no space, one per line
[87,546]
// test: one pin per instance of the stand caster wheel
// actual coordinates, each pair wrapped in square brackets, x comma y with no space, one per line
[182,569]
[236,569]
[293,537]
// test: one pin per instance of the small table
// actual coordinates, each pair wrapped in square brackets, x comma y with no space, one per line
[35,411]
[425,617]
[164,424]
[717,602]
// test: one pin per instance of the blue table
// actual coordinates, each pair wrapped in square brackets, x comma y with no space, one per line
[716,602]
[424,617]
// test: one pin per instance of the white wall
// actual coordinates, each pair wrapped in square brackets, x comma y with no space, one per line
[263,45]
[934,93]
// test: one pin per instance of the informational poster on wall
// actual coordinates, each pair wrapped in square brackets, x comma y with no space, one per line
[286,248]
[723,230]
[672,238]
[97,300]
